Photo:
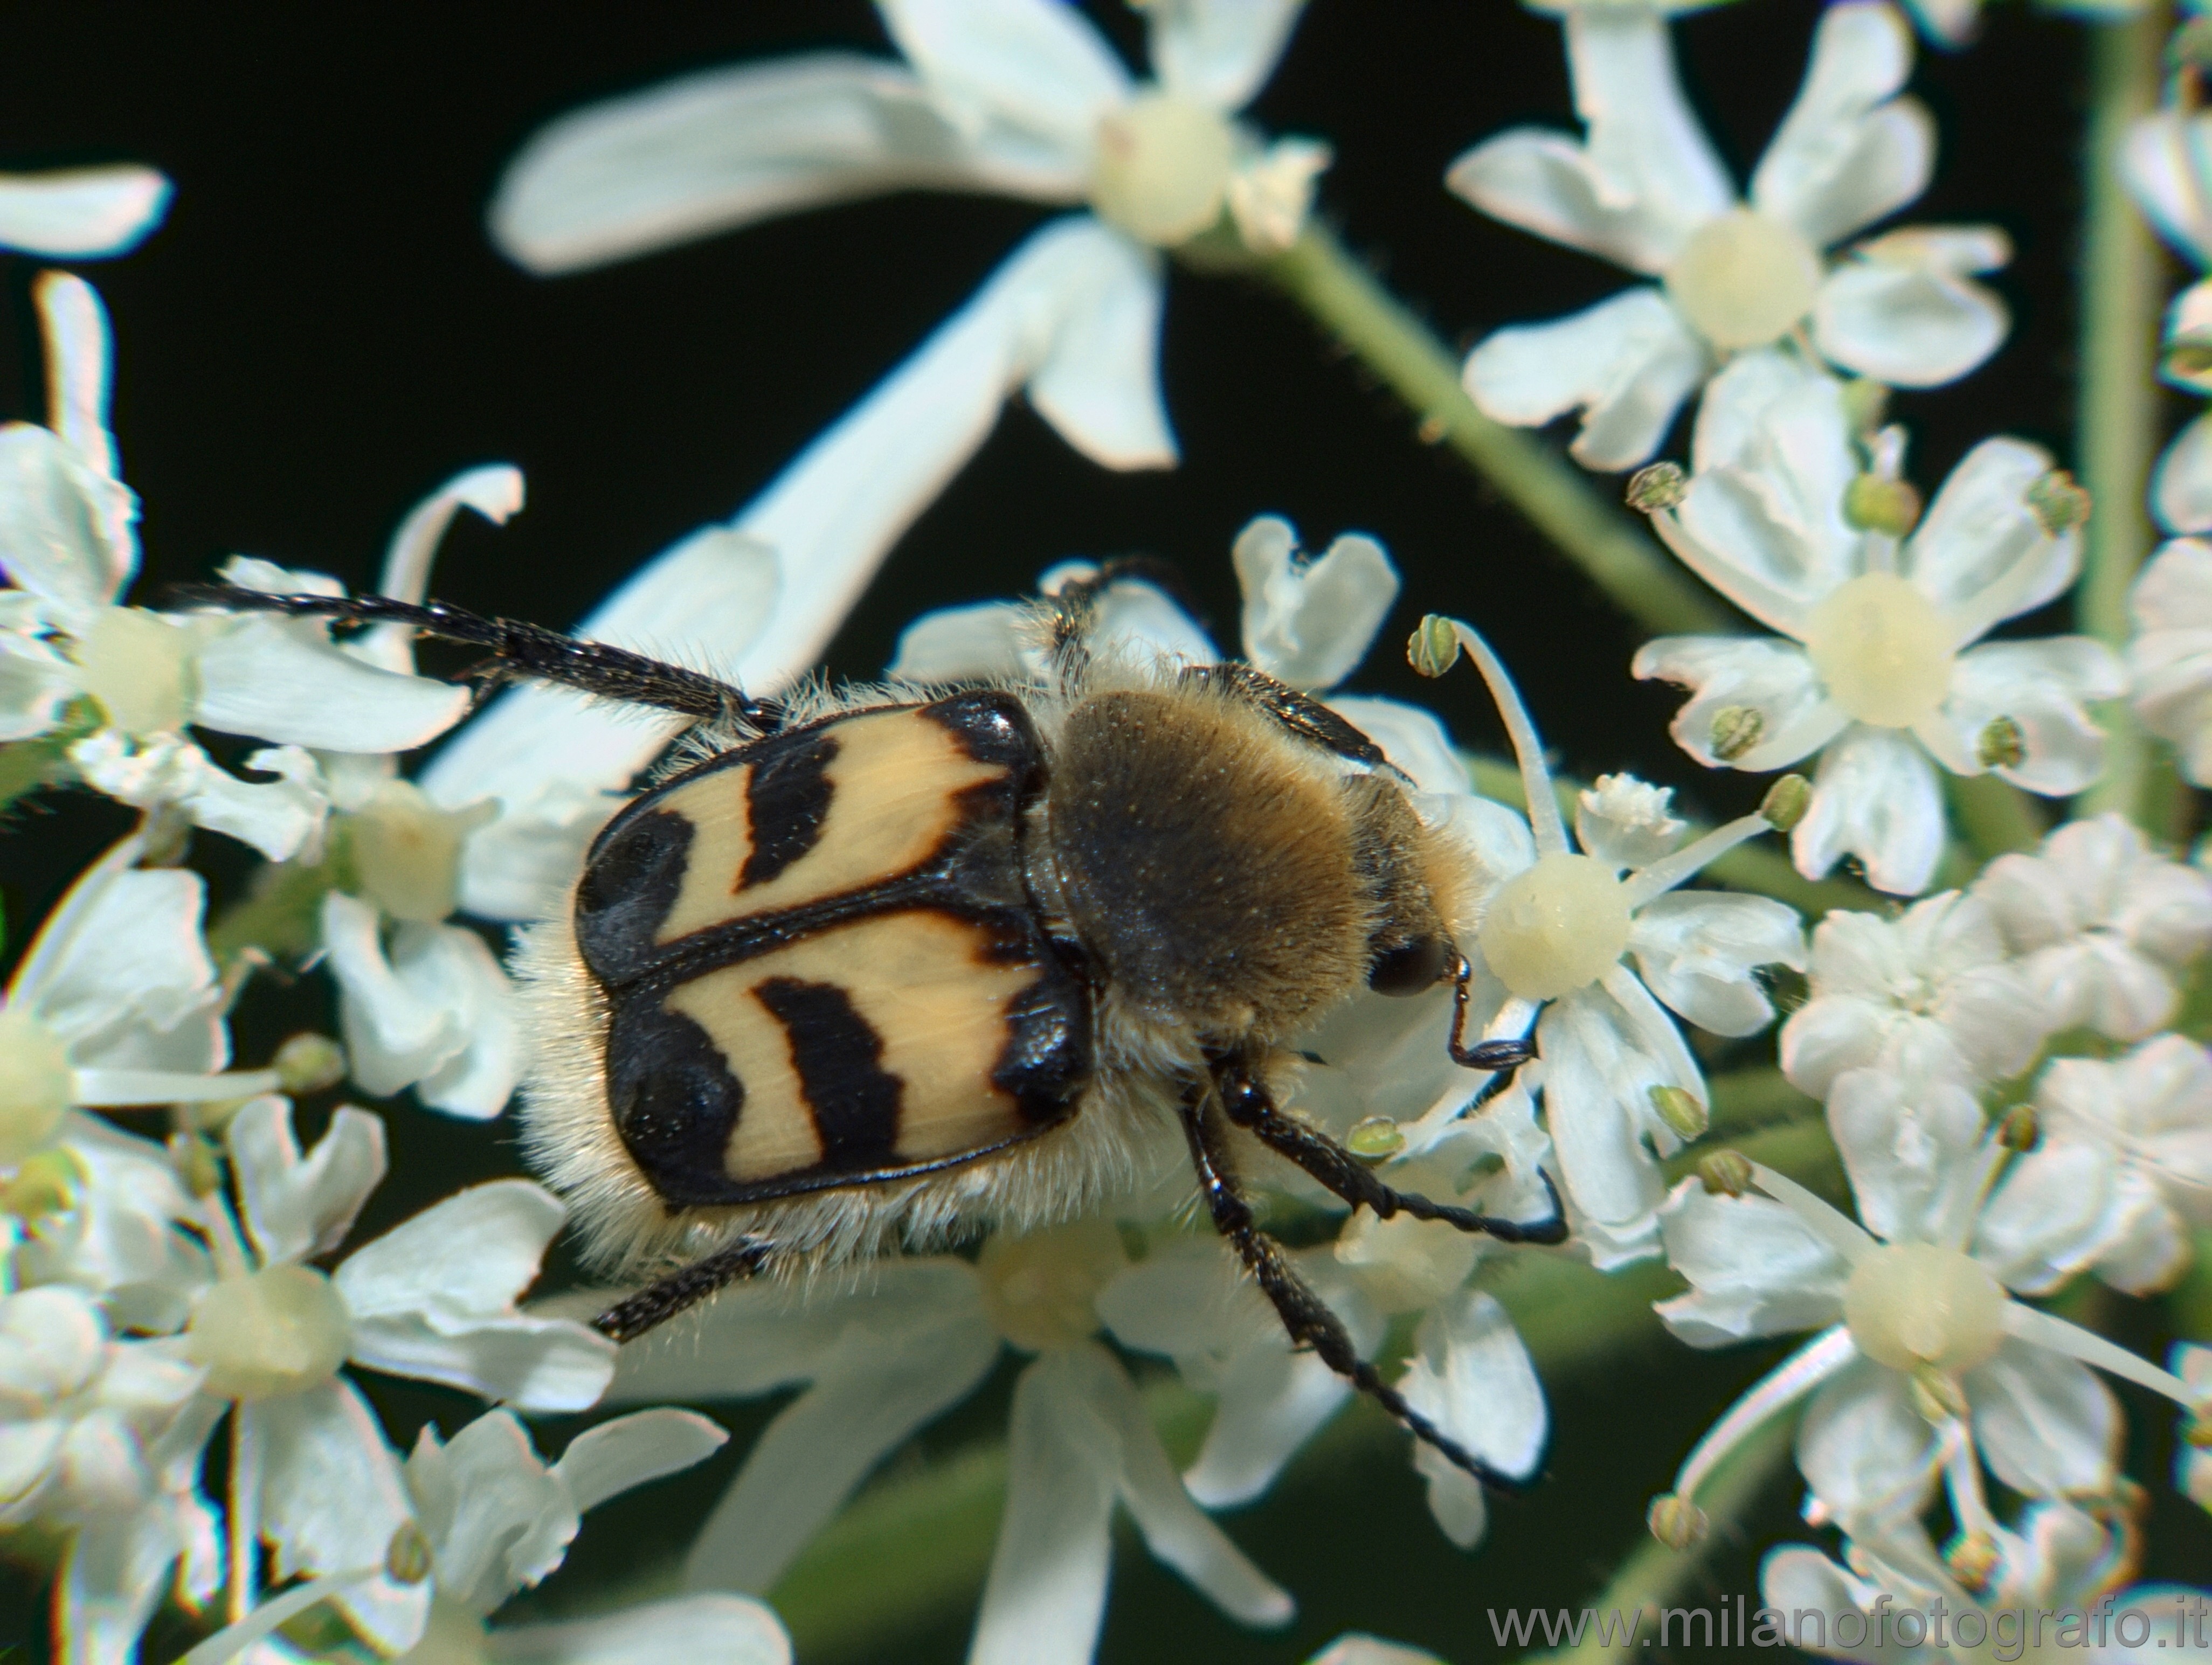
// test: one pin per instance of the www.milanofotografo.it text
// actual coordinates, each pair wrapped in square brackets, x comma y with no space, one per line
[2181,1623]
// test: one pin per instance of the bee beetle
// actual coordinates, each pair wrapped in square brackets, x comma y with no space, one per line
[878,969]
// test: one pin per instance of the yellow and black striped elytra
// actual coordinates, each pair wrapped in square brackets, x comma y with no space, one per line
[882,973]
[821,962]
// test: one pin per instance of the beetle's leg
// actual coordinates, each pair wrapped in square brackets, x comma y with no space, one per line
[683,1289]
[1304,1314]
[523,651]
[1247,1102]
[1502,1057]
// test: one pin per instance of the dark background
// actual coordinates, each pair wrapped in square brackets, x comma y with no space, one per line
[321,333]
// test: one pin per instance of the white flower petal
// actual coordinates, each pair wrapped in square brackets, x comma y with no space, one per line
[280,818]
[1600,1065]
[2162,163]
[1033,64]
[1309,620]
[1626,364]
[1698,950]
[729,146]
[395,1032]
[1046,1592]
[519,866]
[1755,1268]
[1874,796]
[80,366]
[1098,381]
[452,967]
[1219,51]
[511,1521]
[1411,737]
[2044,687]
[1905,325]
[870,1395]
[1732,417]
[1980,554]
[1645,142]
[299,1209]
[963,643]
[1863,1448]
[329,1498]
[728,1629]
[542,1364]
[472,1253]
[494,491]
[1462,1514]
[1775,679]
[1547,184]
[74,213]
[1271,1402]
[114,1573]
[2171,657]
[2044,1423]
[627,1451]
[2050,1217]
[66,532]
[1849,151]
[283,680]
[35,682]
[2181,489]
[1903,1139]
[120,972]
[1471,1375]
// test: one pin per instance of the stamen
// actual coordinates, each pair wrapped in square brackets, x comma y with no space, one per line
[1544,819]
[1686,864]
[1773,1393]
[1839,1230]
[2040,1330]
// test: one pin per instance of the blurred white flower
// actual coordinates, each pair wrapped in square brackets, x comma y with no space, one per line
[881,1361]
[1933,994]
[124,684]
[2151,1113]
[2192,1460]
[1877,672]
[2169,655]
[1646,190]
[82,212]
[1354,1647]
[2105,927]
[491,1518]
[1924,1363]
[434,1299]
[2163,163]
[1557,929]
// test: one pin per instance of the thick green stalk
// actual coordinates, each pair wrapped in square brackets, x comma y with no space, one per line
[2123,281]
[1558,499]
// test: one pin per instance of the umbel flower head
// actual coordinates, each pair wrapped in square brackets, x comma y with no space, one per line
[1646,190]
[1801,523]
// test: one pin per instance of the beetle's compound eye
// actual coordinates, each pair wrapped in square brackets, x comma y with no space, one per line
[1410,967]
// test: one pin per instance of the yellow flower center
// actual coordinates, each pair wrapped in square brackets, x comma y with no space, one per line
[1743,280]
[1040,1289]
[1555,927]
[34,1085]
[1883,650]
[1913,1304]
[275,1331]
[407,852]
[1161,168]
[139,667]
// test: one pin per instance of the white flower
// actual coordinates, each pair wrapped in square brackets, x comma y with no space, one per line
[2193,1462]
[2151,1111]
[1558,927]
[881,1361]
[115,1003]
[1877,672]
[1307,620]
[123,684]
[1354,1647]
[82,212]
[2163,165]
[433,1299]
[1933,994]
[2169,655]
[1647,192]
[1923,1362]
[2104,925]
[492,1519]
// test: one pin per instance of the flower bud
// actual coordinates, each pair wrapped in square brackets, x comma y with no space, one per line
[1786,803]
[1736,730]
[1658,485]
[1434,648]
[1724,1173]
[1676,1521]
[1375,1139]
[1680,1111]
[2002,744]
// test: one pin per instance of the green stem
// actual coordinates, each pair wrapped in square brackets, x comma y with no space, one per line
[2123,283]
[1558,499]
[1996,816]
[1654,1572]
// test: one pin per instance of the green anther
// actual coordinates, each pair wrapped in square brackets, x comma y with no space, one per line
[1658,485]
[199,1170]
[1680,1111]
[1375,1139]
[1866,402]
[48,1182]
[1434,646]
[1873,504]
[2197,1430]
[2002,744]
[1676,1521]
[308,1063]
[409,1558]
[2022,1129]
[1937,1394]
[1736,730]
[1972,1558]
[1724,1173]
[1786,803]
[2060,505]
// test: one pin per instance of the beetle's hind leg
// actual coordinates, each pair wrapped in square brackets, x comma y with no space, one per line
[1304,1314]
[1247,1102]
[682,1289]
[523,651]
